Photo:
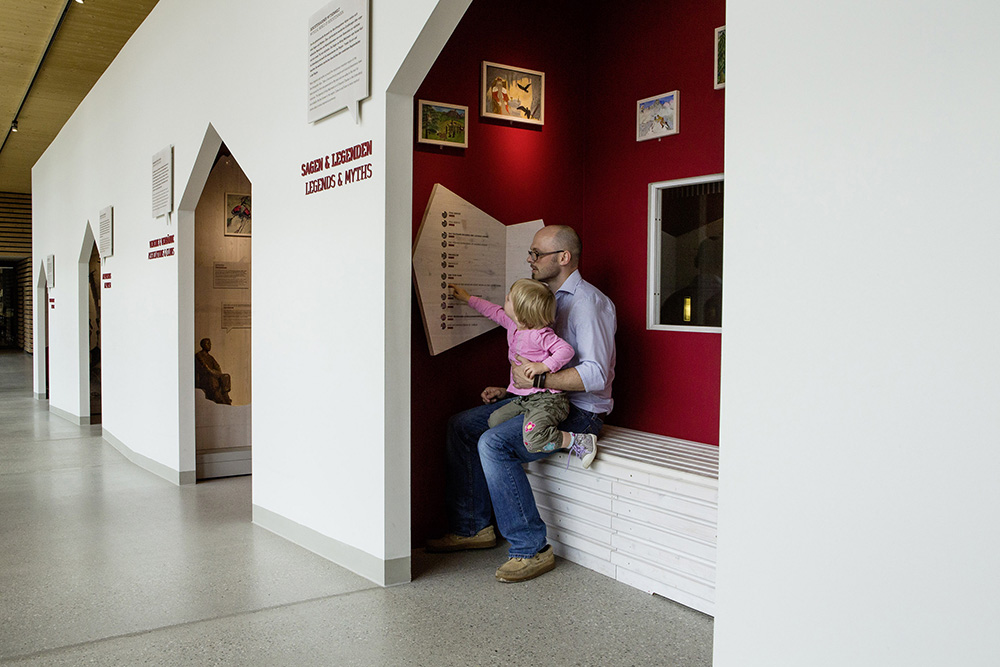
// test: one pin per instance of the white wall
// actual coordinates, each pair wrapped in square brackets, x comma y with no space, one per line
[319,283]
[859,501]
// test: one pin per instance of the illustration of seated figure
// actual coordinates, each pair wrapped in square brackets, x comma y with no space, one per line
[208,375]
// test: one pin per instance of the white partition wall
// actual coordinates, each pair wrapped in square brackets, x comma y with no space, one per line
[320,326]
[858,504]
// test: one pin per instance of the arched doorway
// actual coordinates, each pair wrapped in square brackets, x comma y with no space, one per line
[214,221]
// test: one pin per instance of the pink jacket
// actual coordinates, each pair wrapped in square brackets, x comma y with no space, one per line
[533,344]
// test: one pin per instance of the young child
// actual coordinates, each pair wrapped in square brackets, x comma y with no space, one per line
[527,314]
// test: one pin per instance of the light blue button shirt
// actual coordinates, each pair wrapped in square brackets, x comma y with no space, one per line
[585,318]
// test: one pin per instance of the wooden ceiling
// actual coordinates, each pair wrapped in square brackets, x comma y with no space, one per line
[88,38]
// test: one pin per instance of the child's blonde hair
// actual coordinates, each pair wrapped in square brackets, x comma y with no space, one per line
[533,303]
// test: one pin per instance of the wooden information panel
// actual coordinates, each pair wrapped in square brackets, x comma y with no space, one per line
[460,245]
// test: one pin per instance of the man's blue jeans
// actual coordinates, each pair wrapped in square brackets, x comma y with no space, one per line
[486,464]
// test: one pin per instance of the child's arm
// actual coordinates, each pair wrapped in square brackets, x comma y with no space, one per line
[533,368]
[560,353]
[484,307]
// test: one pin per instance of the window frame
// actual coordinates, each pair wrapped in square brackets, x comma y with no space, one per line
[654,260]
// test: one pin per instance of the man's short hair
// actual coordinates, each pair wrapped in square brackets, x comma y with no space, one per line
[566,238]
[533,303]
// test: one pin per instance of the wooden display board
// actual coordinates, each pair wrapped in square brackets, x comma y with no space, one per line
[461,245]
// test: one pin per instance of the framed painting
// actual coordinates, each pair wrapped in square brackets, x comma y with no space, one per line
[237,214]
[512,93]
[657,116]
[443,124]
[720,57]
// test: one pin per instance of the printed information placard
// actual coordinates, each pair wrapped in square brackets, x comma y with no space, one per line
[459,244]
[105,244]
[163,182]
[231,275]
[338,58]
[235,316]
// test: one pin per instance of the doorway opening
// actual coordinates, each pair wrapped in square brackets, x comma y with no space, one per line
[222,333]
[41,335]
[94,332]
[605,166]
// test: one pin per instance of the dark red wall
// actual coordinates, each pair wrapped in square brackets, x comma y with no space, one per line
[582,168]
[666,382]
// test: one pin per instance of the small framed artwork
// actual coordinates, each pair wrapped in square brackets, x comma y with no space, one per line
[512,93]
[720,57]
[237,214]
[657,116]
[443,124]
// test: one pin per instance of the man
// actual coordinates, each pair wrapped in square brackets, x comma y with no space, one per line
[485,464]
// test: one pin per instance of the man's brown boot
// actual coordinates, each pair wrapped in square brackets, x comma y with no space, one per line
[484,539]
[522,569]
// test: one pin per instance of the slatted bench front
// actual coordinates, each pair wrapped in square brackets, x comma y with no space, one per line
[645,513]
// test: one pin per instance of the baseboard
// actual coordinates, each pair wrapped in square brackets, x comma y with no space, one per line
[178,477]
[68,416]
[229,462]
[382,572]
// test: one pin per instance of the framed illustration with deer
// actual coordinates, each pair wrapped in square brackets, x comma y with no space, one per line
[443,124]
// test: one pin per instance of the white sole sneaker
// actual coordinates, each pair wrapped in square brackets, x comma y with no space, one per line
[588,458]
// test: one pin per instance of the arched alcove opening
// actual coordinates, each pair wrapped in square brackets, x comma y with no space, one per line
[41,335]
[589,169]
[214,234]
[89,282]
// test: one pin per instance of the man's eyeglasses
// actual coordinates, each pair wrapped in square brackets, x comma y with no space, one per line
[533,255]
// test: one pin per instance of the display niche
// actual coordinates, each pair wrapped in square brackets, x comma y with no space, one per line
[221,346]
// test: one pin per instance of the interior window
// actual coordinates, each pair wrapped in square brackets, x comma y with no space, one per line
[685,254]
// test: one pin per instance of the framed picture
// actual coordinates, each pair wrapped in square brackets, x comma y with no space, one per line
[443,124]
[720,57]
[512,93]
[657,116]
[237,214]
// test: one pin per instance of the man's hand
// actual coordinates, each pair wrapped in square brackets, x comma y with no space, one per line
[460,293]
[493,394]
[517,371]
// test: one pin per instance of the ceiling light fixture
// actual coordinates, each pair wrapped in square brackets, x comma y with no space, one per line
[13,125]
[80,1]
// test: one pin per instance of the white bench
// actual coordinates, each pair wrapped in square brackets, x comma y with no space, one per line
[644,513]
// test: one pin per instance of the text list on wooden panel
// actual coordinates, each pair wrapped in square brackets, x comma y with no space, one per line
[458,244]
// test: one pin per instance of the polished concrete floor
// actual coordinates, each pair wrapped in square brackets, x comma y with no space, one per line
[104,563]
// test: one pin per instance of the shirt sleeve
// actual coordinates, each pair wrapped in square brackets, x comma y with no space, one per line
[560,352]
[594,322]
[492,311]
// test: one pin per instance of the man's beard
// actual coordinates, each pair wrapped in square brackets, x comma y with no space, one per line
[539,275]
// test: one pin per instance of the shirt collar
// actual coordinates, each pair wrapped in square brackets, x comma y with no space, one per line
[571,283]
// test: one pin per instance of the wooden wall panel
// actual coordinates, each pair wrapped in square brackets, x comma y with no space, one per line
[15,248]
[25,306]
[15,225]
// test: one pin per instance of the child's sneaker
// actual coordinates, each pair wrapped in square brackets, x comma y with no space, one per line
[584,445]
